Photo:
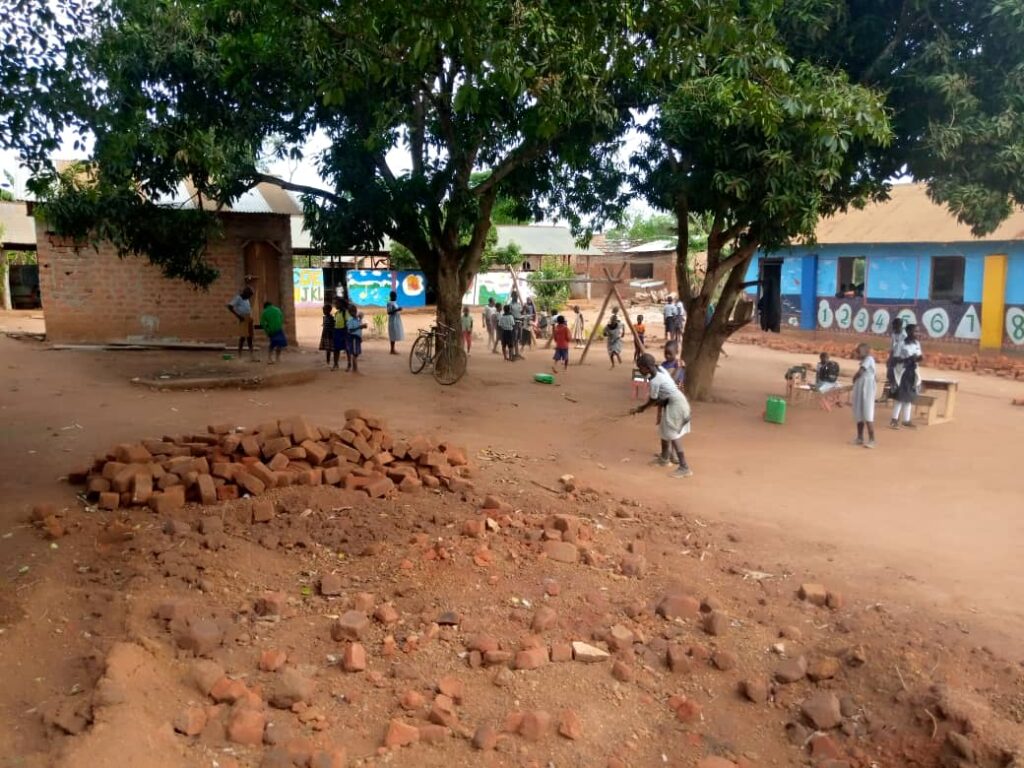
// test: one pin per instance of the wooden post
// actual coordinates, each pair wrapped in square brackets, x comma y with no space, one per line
[625,314]
[604,306]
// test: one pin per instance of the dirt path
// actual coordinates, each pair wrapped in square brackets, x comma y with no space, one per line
[922,535]
[931,518]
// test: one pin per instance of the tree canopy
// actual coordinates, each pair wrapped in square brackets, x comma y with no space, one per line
[535,94]
[758,146]
[953,75]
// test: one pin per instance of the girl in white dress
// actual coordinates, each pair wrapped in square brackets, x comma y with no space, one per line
[673,414]
[864,396]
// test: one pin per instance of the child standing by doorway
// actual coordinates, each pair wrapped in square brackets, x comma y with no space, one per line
[562,338]
[467,329]
[864,396]
[355,326]
[272,323]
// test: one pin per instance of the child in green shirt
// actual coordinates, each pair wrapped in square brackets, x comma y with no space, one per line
[272,323]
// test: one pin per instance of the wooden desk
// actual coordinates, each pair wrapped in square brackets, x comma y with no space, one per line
[949,388]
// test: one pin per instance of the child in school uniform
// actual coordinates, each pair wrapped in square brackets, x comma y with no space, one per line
[562,338]
[341,335]
[467,329]
[896,338]
[355,326]
[507,328]
[327,335]
[578,326]
[613,334]
[864,396]
[673,365]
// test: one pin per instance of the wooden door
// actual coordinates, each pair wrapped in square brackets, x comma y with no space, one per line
[262,274]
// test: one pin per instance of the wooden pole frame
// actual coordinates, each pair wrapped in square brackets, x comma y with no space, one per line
[612,290]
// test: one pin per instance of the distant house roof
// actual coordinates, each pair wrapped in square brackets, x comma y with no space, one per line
[909,216]
[263,198]
[541,240]
[654,246]
[18,228]
[533,240]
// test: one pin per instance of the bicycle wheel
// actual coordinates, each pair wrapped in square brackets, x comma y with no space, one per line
[420,354]
[450,365]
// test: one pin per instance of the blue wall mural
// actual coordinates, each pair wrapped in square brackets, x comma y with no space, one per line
[897,283]
[372,287]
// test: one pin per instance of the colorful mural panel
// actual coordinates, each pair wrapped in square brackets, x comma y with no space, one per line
[495,285]
[372,287]
[308,287]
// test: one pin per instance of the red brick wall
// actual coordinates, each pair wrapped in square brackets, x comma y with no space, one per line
[94,296]
[593,266]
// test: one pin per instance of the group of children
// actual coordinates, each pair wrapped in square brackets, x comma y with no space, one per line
[342,332]
[271,322]
[902,381]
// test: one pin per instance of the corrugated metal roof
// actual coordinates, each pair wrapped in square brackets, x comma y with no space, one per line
[909,216]
[532,240]
[654,246]
[536,240]
[19,229]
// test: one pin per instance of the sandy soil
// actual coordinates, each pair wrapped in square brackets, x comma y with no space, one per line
[926,528]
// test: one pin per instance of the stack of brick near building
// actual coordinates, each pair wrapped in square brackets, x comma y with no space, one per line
[224,464]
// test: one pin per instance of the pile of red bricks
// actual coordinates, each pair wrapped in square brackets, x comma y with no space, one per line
[226,463]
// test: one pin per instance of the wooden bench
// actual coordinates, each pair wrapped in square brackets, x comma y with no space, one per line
[828,399]
[936,403]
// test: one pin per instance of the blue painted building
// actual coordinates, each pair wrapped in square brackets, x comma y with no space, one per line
[910,258]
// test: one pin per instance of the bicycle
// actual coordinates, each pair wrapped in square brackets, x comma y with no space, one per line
[439,348]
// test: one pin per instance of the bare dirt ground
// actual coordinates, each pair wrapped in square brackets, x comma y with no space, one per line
[922,537]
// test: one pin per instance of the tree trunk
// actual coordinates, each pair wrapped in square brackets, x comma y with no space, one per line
[700,367]
[703,339]
[450,290]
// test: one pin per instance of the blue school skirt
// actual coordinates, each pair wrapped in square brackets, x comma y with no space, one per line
[341,339]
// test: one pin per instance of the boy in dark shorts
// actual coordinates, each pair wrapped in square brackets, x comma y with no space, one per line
[272,323]
[507,328]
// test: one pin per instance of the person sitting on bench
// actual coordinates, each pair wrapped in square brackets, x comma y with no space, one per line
[827,375]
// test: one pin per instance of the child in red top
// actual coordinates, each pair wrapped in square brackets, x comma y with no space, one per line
[562,337]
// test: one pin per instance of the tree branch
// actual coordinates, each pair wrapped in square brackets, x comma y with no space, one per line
[744,252]
[515,159]
[902,27]
[469,254]
[683,250]
[291,186]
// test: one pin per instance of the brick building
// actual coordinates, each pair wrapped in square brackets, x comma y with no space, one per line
[91,295]
[651,267]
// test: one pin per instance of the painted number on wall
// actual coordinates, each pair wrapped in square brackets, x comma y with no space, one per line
[1015,324]
[907,316]
[881,322]
[825,314]
[936,322]
[969,326]
[861,321]
[844,316]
